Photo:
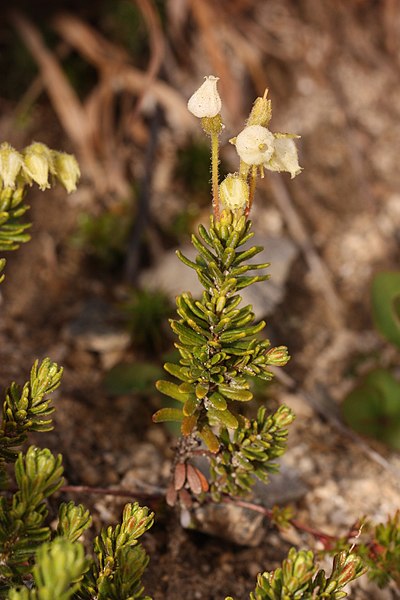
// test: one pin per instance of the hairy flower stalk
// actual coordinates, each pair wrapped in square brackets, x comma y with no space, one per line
[206,104]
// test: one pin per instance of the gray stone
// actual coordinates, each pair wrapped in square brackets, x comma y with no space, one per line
[233,523]
[241,525]
[284,487]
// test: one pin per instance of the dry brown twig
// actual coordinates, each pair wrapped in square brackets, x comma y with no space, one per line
[117,73]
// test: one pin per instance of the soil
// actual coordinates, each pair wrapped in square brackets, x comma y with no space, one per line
[332,69]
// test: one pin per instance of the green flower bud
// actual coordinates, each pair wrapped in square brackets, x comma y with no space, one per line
[234,192]
[284,416]
[37,163]
[261,112]
[255,145]
[278,356]
[66,169]
[206,101]
[10,165]
[285,156]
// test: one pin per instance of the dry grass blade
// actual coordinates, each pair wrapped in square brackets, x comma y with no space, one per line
[390,20]
[69,108]
[118,74]
[94,47]
[251,57]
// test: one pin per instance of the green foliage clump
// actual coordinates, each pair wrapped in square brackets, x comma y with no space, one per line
[131,378]
[28,546]
[300,579]
[248,452]
[373,407]
[385,300]
[220,349]
[12,230]
[120,559]
[27,408]
[217,339]
[35,164]
[61,570]
[57,573]
[38,474]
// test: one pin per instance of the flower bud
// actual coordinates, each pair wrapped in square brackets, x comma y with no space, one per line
[10,165]
[284,416]
[285,156]
[37,162]
[255,145]
[206,101]
[66,169]
[260,113]
[234,192]
[278,356]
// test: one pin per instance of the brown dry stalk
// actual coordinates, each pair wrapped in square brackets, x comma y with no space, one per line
[118,74]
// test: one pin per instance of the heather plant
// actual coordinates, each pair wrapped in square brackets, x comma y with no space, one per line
[217,337]
[36,560]
[221,352]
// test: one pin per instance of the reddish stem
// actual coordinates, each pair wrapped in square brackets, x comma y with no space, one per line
[118,492]
[325,538]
